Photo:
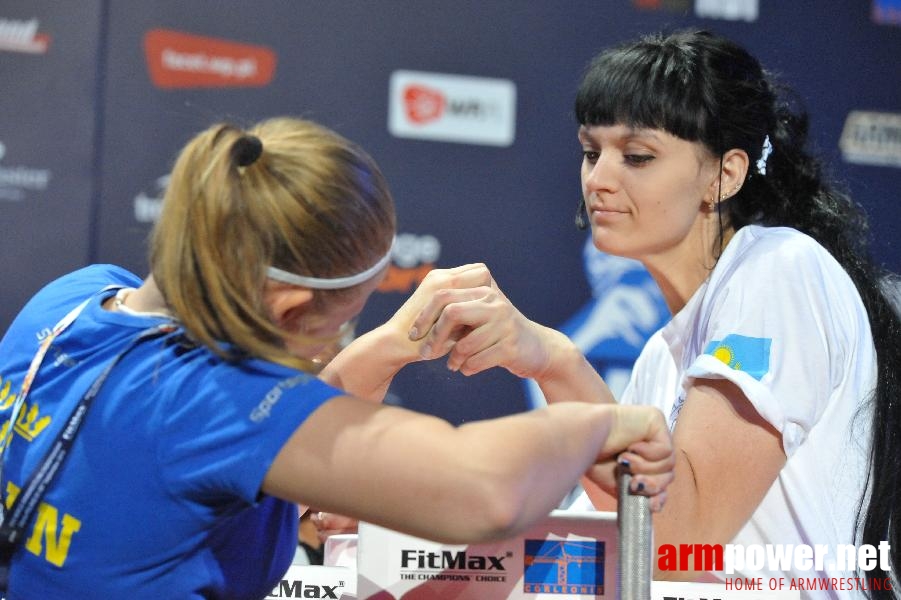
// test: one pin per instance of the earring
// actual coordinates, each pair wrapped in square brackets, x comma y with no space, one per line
[727,195]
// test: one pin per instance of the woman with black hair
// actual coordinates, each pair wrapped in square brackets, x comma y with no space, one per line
[779,369]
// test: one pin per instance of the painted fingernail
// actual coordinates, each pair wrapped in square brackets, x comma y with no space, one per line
[639,487]
[625,462]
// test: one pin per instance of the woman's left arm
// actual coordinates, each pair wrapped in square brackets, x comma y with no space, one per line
[479,328]
[727,457]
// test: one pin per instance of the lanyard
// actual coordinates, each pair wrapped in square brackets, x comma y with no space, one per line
[14,520]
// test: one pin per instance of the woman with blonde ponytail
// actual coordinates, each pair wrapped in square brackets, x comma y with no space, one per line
[163,449]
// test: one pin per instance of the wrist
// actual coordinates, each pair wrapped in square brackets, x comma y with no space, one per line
[392,346]
[567,374]
[366,367]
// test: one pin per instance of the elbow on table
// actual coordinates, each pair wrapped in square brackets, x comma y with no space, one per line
[498,511]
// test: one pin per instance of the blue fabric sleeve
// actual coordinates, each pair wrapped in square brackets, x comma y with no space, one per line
[222,430]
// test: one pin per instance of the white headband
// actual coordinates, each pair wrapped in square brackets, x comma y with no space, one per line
[334,283]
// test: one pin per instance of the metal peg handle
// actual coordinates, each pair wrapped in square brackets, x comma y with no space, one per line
[634,545]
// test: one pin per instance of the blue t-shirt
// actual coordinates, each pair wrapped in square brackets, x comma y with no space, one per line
[160,495]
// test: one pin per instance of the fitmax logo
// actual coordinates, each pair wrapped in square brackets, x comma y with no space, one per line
[299,589]
[447,559]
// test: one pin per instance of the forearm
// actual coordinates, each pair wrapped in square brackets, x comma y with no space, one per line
[420,475]
[684,522]
[567,439]
[367,366]
[569,376]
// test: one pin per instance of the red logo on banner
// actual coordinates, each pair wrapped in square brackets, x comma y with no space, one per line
[182,60]
[23,36]
[670,5]
[423,104]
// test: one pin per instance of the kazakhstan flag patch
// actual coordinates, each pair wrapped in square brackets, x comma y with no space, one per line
[747,354]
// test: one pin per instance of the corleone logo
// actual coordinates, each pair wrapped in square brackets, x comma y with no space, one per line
[182,60]
[563,567]
[452,108]
[23,36]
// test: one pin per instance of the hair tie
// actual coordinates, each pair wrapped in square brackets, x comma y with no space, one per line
[246,150]
[764,155]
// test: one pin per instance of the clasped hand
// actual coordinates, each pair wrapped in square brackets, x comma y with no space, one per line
[462,313]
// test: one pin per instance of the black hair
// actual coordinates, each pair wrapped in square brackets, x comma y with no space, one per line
[704,88]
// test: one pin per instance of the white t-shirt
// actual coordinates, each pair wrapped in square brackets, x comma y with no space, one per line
[781,319]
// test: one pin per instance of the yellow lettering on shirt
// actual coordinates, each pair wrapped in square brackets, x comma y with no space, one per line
[49,537]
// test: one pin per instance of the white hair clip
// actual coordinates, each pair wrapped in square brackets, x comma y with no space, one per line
[764,155]
[330,283]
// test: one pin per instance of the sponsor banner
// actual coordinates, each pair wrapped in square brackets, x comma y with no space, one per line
[452,108]
[564,567]
[872,138]
[314,581]
[149,203]
[412,257]
[728,10]
[679,6]
[571,555]
[182,60]
[886,12]
[17,181]
[23,36]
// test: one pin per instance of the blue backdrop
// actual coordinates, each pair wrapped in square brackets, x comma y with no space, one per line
[97,96]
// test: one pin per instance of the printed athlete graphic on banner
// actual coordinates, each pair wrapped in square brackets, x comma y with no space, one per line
[610,329]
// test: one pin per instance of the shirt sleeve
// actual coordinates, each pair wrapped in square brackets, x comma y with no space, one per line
[224,429]
[654,377]
[778,327]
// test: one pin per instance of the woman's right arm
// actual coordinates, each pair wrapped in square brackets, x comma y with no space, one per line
[485,480]
[497,334]
[367,366]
